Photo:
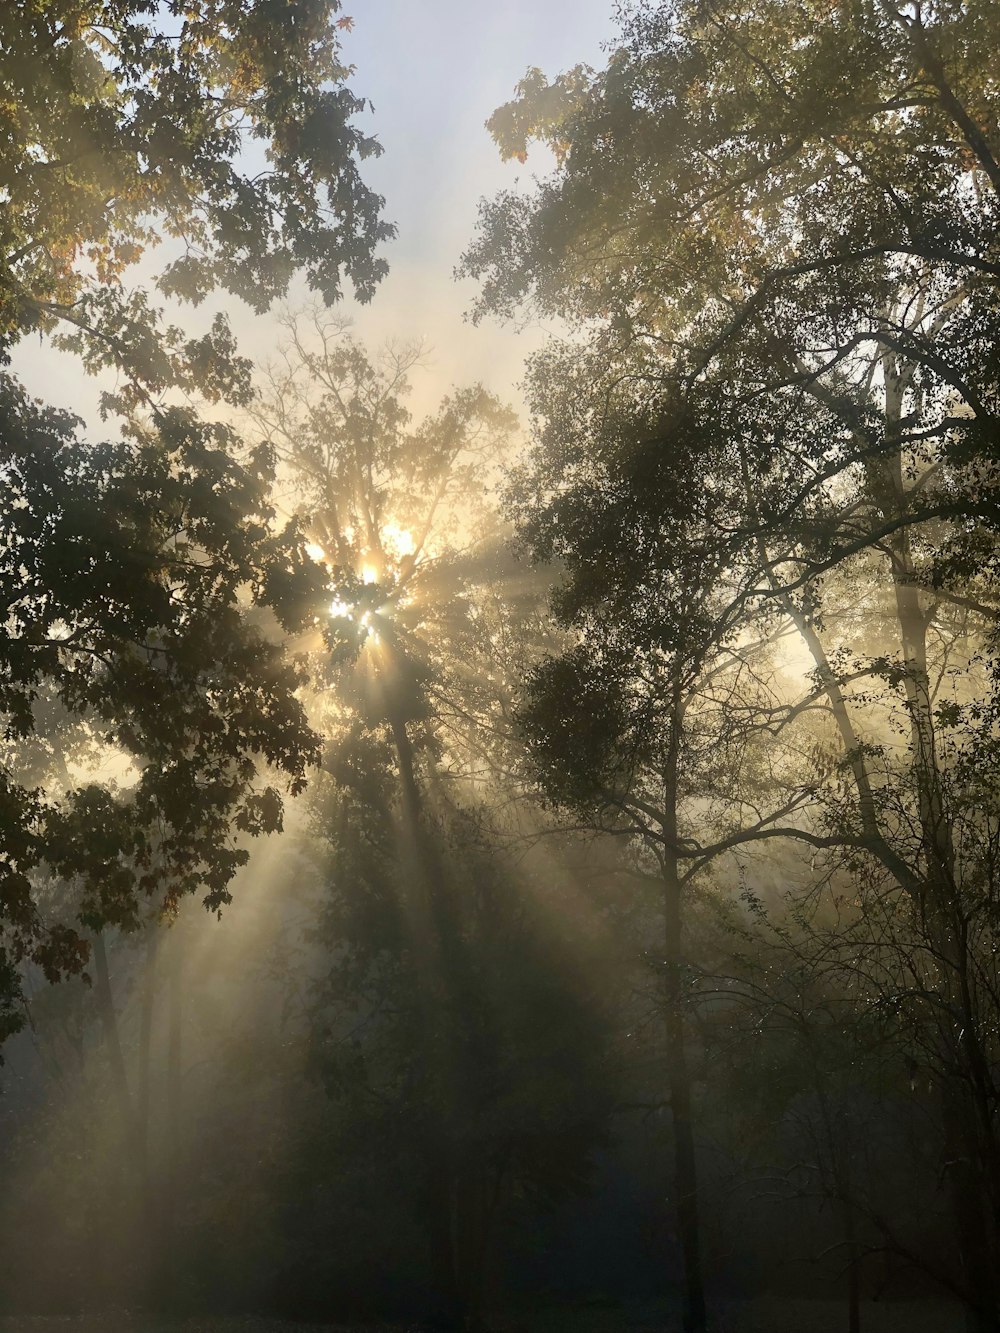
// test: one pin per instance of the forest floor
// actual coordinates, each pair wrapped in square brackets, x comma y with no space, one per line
[756,1316]
[763,1316]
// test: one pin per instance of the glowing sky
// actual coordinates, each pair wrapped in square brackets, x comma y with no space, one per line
[434,71]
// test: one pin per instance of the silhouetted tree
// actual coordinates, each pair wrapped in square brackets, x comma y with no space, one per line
[476,1051]
[131,569]
[782,222]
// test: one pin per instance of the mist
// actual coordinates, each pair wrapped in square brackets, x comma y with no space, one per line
[500,817]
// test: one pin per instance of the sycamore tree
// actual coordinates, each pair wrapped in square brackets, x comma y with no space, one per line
[136,570]
[788,216]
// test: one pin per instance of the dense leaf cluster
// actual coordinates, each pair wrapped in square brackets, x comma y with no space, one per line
[143,686]
[225,126]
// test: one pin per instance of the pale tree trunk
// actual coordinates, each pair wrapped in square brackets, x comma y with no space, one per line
[143,1103]
[967,1121]
[143,1098]
[112,1036]
[111,1218]
[145,1039]
[968,1153]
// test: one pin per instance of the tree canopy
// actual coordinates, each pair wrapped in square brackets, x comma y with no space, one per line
[773,234]
[136,572]
[226,129]
[638,934]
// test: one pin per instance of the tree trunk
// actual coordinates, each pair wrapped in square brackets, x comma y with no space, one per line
[969,1156]
[144,1060]
[114,1217]
[431,996]
[112,1036]
[145,1038]
[679,1079]
[972,1223]
[446,1311]
[175,996]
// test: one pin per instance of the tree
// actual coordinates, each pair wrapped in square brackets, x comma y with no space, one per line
[457,1026]
[226,127]
[792,213]
[122,575]
[643,725]
[136,573]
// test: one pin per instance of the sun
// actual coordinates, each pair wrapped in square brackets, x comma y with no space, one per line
[398,541]
[383,573]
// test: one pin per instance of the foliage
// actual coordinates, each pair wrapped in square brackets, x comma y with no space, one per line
[780,225]
[398,513]
[517,1092]
[449,1021]
[226,125]
[142,576]
[124,569]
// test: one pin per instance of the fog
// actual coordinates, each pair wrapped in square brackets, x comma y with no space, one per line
[499,821]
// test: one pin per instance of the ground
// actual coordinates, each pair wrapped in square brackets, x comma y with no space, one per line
[778,1316]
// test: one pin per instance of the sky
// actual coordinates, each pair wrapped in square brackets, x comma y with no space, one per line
[434,71]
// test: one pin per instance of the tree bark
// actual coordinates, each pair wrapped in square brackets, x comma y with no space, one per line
[113,1217]
[144,1061]
[971,1153]
[679,1079]
[145,1038]
[112,1035]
